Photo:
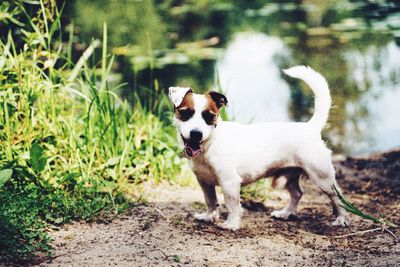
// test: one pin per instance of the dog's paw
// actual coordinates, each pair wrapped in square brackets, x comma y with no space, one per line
[341,221]
[283,214]
[230,225]
[207,217]
[204,217]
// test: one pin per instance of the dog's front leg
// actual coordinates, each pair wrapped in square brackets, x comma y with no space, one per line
[210,196]
[231,191]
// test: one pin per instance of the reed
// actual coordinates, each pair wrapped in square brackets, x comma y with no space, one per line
[70,147]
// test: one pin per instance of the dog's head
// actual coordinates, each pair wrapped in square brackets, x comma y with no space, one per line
[196,116]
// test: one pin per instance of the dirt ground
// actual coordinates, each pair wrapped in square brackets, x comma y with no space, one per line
[164,232]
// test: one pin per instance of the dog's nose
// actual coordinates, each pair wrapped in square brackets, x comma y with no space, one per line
[196,135]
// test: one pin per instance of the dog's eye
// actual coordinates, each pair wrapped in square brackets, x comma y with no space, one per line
[208,117]
[185,114]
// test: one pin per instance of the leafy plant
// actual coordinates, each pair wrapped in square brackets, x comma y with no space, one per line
[36,158]
[5,175]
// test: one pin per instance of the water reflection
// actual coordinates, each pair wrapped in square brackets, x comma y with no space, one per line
[377,72]
[365,112]
[251,79]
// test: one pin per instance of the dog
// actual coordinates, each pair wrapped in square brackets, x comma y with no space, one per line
[230,154]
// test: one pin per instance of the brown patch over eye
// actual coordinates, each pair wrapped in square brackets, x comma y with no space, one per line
[185,114]
[186,109]
[210,114]
[209,117]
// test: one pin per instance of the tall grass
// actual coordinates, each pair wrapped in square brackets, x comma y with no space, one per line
[70,148]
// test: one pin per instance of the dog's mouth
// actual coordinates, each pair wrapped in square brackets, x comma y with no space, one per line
[192,148]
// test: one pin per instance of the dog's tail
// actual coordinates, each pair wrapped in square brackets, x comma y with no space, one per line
[320,88]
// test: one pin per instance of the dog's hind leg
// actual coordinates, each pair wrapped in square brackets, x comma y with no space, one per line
[210,196]
[323,175]
[296,192]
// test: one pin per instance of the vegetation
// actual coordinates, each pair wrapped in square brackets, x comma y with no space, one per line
[132,22]
[70,148]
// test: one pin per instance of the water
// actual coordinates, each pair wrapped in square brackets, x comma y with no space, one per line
[251,79]
[376,73]
[258,92]
[241,47]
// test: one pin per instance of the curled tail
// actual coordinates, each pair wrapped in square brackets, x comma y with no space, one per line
[320,88]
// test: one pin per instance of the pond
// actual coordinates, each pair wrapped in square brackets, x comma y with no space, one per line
[240,48]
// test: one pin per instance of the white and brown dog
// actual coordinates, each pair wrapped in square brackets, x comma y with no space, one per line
[230,154]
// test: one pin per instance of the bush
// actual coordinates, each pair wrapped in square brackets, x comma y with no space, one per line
[70,148]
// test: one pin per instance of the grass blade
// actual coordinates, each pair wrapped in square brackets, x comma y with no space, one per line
[352,209]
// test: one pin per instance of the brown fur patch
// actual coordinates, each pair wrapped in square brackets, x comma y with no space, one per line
[274,171]
[218,98]
[211,105]
[277,180]
[187,101]
[284,175]
[281,168]
[274,168]
[186,109]
[211,112]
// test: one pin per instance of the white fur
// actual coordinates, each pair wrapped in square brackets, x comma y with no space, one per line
[237,154]
[320,88]
[176,94]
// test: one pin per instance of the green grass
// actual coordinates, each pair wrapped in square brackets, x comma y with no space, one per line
[70,148]
[258,191]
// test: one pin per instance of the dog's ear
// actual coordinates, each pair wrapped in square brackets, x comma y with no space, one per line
[176,94]
[219,99]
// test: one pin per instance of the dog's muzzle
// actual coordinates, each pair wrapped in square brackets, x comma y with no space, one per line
[193,144]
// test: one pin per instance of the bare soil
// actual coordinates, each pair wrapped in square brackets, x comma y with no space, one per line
[163,232]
